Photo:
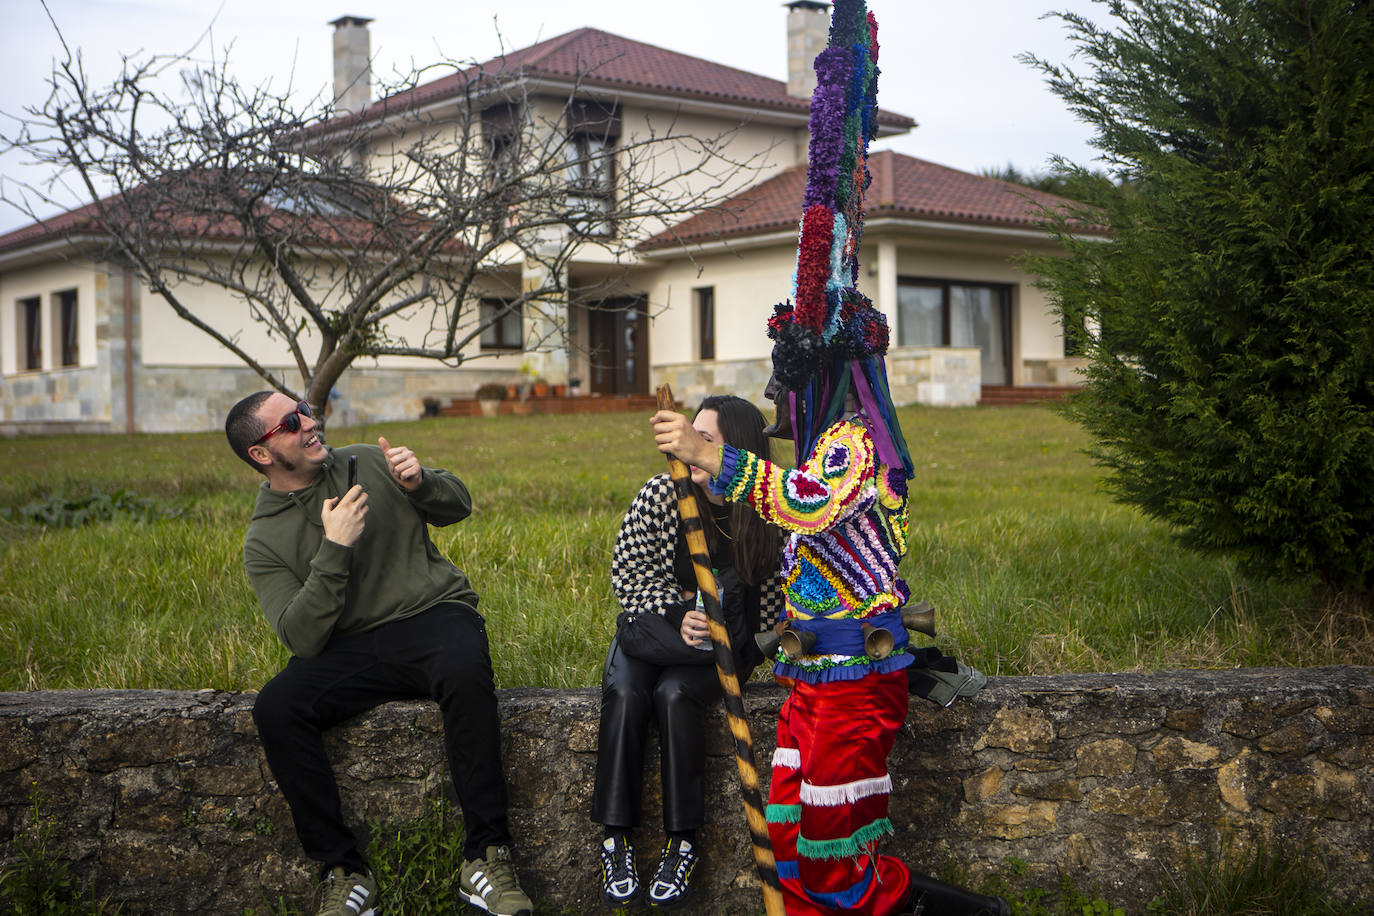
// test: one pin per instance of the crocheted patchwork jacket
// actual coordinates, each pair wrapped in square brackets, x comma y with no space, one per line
[643,571]
[847,517]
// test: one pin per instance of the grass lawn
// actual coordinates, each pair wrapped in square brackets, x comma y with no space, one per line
[1031,565]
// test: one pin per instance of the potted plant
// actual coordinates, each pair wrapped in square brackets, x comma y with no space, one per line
[489,398]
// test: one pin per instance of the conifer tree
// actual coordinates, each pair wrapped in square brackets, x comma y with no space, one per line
[1229,317]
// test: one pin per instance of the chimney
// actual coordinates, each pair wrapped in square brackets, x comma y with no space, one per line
[352,63]
[808,31]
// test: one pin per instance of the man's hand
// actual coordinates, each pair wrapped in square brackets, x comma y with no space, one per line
[401,461]
[673,435]
[345,516]
[695,628]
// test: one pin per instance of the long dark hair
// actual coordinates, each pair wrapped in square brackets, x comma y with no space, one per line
[756,546]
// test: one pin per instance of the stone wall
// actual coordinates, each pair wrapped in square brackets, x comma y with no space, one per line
[933,376]
[164,798]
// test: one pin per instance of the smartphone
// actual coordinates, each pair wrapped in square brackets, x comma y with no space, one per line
[352,471]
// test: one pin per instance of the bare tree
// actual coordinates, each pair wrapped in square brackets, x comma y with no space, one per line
[399,230]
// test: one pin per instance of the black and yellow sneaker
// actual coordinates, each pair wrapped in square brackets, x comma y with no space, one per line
[619,882]
[673,879]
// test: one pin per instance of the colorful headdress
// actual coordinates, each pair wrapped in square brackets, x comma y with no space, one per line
[829,339]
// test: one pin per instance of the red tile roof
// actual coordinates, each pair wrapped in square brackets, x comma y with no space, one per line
[902,187]
[601,60]
[54,227]
[162,218]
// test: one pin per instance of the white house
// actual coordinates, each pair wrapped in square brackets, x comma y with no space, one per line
[84,346]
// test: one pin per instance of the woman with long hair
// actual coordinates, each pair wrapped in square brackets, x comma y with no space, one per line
[651,573]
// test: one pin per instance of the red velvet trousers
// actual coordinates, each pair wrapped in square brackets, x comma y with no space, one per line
[828,796]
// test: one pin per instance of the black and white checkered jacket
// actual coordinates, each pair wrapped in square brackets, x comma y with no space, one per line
[642,570]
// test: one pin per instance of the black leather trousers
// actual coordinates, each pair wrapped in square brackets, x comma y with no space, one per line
[678,696]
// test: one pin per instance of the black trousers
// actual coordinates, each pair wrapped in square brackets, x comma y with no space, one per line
[440,654]
[677,696]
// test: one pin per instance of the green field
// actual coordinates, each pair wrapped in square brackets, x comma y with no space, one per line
[1031,565]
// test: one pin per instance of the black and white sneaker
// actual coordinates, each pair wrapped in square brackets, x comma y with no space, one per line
[673,879]
[619,881]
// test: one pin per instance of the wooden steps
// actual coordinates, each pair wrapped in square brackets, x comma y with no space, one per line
[1012,396]
[471,407]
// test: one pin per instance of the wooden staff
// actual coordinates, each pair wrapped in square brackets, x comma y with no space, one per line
[729,682]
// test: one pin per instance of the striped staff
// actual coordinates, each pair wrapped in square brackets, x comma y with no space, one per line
[729,682]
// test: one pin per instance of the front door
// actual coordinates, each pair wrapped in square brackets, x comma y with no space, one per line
[619,343]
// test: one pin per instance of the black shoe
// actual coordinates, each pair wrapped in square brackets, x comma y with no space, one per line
[619,883]
[949,900]
[673,879]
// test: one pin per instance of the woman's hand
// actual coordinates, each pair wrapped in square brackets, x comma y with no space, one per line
[695,629]
[673,435]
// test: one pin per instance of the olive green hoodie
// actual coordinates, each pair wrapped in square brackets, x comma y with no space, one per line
[311,589]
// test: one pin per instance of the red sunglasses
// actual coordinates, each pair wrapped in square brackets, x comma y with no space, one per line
[291,423]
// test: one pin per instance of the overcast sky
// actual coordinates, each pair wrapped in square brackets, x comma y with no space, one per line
[950,64]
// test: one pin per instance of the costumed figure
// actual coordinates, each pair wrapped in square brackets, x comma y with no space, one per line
[845,508]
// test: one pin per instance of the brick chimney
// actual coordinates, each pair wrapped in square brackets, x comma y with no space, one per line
[352,63]
[808,30]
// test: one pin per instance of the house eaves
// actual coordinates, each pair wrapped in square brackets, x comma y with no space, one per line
[601,64]
[47,250]
[905,192]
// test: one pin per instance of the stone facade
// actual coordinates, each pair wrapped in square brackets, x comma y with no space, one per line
[163,797]
[180,400]
[77,398]
[933,376]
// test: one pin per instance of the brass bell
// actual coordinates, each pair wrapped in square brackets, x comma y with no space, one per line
[796,643]
[920,618]
[878,642]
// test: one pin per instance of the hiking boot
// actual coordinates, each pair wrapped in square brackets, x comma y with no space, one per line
[673,879]
[489,884]
[619,883]
[347,894]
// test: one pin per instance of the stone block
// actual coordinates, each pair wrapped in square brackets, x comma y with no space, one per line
[1019,730]
[1177,753]
[1110,757]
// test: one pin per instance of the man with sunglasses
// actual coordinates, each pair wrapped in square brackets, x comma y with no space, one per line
[371,611]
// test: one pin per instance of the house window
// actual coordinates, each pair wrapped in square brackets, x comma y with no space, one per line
[500,128]
[501,325]
[67,346]
[28,323]
[706,321]
[593,130]
[944,313]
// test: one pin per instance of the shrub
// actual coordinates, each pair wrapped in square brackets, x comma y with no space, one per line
[491,391]
[1230,315]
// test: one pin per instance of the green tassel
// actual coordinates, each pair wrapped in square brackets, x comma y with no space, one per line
[783,814]
[845,847]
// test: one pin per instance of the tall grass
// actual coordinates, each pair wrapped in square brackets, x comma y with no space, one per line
[1032,567]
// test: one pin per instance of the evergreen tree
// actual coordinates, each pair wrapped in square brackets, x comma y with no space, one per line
[1230,315]
[1065,182]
